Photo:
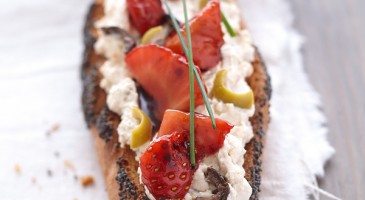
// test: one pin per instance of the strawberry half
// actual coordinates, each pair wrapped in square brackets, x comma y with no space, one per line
[207,139]
[145,14]
[165,167]
[164,75]
[206,36]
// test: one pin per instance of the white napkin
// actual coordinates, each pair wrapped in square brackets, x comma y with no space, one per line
[296,148]
[40,87]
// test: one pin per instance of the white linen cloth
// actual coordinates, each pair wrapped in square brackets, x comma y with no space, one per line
[40,86]
[296,147]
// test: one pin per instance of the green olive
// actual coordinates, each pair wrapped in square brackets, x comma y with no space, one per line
[143,132]
[243,100]
[202,3]
[153,35]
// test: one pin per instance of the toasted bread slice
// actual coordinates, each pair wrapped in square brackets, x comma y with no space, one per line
[118,165]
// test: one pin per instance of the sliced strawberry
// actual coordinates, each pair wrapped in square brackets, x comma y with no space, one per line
[145,14]
[207,139]
[206,36]
[164,75]
[165,167]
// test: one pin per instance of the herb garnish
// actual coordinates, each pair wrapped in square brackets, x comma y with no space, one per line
[192,71]
[191,79]
[228,26]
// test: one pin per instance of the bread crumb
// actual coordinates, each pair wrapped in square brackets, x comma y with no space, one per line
[53,129]
[49,173]
[17,168]
[57,154]
[34,180]
[87,181]
[68,164]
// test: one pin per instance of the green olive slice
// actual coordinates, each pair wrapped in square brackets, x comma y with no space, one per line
[143,132]
[153,35]
[242,100]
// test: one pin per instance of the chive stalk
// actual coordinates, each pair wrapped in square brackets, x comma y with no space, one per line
[228,26]
[191,80]
[197,77]
[192,71]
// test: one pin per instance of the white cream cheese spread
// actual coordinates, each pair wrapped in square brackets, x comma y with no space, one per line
[237,55]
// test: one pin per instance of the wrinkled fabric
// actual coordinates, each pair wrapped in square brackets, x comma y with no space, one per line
[297,146]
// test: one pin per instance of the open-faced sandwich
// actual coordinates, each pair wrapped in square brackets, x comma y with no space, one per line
[177,111]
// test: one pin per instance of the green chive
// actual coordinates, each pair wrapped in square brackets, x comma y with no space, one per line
[192,72]
[228,26]
[191,79]
[200,83]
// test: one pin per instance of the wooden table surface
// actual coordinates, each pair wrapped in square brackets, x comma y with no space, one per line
[334,56]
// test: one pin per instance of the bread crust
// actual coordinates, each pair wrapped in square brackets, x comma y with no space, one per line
[118,164]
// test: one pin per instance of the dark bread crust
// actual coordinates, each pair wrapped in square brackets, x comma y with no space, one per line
[260,84]
[118,164]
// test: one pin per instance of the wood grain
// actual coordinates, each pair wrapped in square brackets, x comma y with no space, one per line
[334,56]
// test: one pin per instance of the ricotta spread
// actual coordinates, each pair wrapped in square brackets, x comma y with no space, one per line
[237,54]
[115,14]
[121,90]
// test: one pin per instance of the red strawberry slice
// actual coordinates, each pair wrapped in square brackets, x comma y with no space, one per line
[164,75]
[206,36]
[207,139]
[165,167]
[145,14]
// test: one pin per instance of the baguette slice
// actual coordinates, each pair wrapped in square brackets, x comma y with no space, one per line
[118,164]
